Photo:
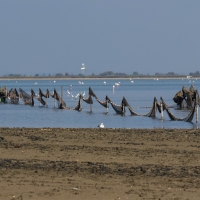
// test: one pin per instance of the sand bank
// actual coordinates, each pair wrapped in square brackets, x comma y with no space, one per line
[99,164]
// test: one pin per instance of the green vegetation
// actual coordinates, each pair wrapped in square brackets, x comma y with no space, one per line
[197,73]
[107,74]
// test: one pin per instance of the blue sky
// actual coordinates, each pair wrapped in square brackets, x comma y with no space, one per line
[108,35]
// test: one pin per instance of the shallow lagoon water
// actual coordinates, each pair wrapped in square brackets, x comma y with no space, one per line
[139,94]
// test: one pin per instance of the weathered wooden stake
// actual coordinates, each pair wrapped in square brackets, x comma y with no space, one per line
[197,110]
[80,109]
[107,107]
[54,102]
[46,102]
[123,110]
[155,109]
[161,107]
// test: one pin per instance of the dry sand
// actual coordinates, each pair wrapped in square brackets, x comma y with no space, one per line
[99,164]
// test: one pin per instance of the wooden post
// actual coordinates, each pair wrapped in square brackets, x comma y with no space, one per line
[107,106]
[155,108]
[161,107]
[80,109]
[46,102]
[197,110]
[54,102]
[123,110]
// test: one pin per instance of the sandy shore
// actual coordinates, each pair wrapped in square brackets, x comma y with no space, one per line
[99,164]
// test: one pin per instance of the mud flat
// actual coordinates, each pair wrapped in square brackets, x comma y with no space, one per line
[99,164]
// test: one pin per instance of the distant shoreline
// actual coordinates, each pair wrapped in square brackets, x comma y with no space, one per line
[97,78]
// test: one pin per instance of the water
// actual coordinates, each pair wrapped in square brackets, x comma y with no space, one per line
[139,94]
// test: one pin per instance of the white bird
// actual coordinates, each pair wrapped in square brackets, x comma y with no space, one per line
[81,83]
[101,125]
[104,82]
[68,92]
[77,96]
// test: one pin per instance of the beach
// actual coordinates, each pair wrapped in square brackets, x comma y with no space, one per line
[62,163]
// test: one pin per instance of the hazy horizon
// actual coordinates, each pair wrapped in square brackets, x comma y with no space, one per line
[52,37]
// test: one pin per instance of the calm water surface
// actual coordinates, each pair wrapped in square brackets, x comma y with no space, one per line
[139,94]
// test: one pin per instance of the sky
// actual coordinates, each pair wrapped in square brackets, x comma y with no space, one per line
[144,36]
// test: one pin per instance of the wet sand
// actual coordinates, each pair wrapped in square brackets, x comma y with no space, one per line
[99,164]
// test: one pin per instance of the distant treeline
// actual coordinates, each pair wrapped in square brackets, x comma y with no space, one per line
[107,74]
